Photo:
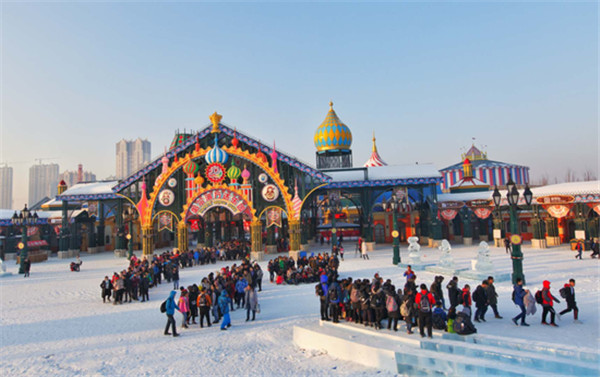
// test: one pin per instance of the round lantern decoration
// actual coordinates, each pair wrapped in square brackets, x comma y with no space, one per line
[262,178]
[215,172]
[270,193]
[172,182]
[190,168]
[233,173]
[515,239]
[166,197]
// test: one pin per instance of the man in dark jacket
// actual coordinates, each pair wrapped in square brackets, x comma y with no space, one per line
[453,292]
[334,296]
[492,296]
[569,296]
[481,301]
[436,290]
[518,294]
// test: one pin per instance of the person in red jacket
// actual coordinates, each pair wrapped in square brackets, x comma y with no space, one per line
[425,303]
[466,298]
[547,304]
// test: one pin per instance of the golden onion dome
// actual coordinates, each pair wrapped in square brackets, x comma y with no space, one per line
[332,134]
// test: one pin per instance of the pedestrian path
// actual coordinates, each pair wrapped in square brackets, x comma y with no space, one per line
[446,354]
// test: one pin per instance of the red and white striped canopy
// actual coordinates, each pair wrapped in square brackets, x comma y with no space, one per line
[375,159]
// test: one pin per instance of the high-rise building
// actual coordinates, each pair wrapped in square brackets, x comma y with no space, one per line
[73,177]
[43,182]
[131,156]
[6,187]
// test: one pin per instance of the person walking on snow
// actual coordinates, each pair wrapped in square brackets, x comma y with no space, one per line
[568,293]
[547,304]
[492,296]
[224,301]
[579,249]
[171,306]
[518,295]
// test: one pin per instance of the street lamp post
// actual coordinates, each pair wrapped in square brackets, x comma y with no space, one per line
[128,215]
[334,207]
[512,196]
[24,219]
[395,205]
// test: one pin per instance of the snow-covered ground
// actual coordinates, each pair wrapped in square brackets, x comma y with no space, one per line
[54,323]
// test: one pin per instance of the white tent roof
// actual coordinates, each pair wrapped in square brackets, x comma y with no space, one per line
[374,173]
[91,188]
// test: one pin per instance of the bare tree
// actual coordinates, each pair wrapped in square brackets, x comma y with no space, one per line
[589,175]
[570,176]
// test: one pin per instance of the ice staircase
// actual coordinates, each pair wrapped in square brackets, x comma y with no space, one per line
[446,354]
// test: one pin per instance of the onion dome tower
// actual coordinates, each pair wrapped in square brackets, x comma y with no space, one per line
[333,140]
[190,169]
[216,154]
[233,173]
[375,159]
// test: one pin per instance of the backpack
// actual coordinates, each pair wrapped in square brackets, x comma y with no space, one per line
[425,304]
[563,292]
[163,307]
[391,304]
[513,296]
[319,290]
[202,300]
[333,296]
[538,297]
[404,309]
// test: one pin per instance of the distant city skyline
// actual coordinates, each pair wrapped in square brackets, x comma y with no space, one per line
[43,182]
[521,78]
[131,156]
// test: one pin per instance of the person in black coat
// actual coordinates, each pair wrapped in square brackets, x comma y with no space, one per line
[107,288]
[144,287]
[569,296]
[481,301]
[26,267]
[453,292]
[436,290]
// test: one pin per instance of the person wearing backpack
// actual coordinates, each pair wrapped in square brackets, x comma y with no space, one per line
[481,301]
[392,307]
[517,296]
[425,303]
[407,309]
[170,307]
[547,304]
[224,302]
[204,303]
[334,294]
[568,293]
[378,304]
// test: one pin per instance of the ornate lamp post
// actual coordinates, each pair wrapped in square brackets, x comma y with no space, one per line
[129,215]
[24,220]
[395,205]
[512,197]
[334,207]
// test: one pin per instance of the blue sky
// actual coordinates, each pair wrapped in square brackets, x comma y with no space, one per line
[520,78]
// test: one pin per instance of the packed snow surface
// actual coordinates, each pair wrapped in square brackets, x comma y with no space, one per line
[54,322]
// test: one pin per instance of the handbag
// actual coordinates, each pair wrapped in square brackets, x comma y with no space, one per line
[258,308]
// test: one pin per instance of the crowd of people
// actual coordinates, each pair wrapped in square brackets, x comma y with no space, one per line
[218,293]
[304,270]
[142,274]
[370,302]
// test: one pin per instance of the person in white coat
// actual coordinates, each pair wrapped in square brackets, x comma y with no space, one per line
[251,302]
[363,250]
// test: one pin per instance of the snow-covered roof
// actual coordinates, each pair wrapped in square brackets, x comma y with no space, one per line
[384,176]
[583,192]
[8,214]
[88,191]
[570,188]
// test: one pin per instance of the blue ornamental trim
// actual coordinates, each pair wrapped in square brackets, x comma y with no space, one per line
[586,198]
[384,182]
[8,222]
[78,198]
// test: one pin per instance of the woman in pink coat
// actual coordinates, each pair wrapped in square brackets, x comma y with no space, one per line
[184,307]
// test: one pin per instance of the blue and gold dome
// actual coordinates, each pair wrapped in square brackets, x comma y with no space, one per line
[332,134]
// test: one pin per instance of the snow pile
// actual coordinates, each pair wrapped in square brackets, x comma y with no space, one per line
[54,323]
